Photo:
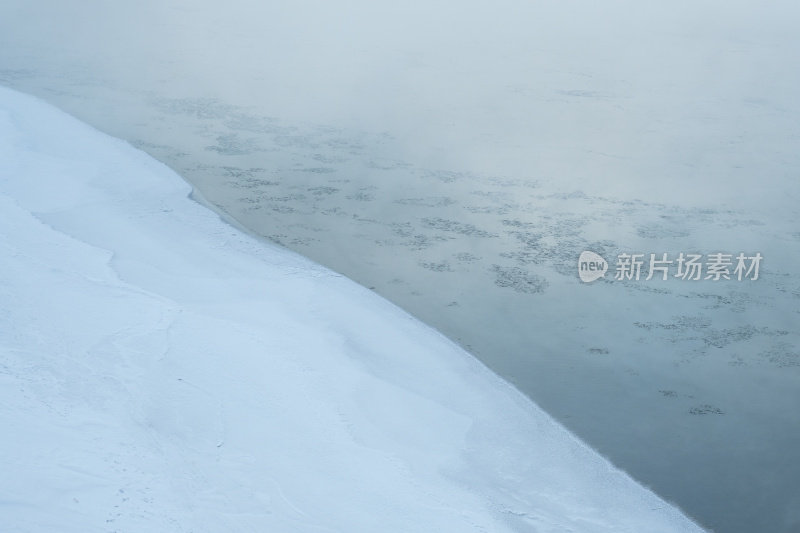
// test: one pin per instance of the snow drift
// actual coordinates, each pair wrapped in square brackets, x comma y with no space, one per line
[162,371]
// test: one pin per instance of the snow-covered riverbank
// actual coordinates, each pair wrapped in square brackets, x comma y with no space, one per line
[162,371]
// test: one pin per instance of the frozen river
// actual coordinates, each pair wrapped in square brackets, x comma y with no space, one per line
[459,162]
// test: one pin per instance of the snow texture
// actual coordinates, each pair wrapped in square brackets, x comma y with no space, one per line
[161,370]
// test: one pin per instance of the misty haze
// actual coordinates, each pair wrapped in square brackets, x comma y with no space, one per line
[457,158]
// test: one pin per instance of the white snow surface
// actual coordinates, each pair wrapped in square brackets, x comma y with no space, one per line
[162,371]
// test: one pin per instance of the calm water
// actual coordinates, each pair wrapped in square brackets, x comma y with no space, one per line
[459,163]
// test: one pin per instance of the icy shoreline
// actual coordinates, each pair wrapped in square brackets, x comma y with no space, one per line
[162,371]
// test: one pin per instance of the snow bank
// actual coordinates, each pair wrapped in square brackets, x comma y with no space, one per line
[162,371]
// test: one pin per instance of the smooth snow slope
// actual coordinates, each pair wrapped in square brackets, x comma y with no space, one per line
[162,371]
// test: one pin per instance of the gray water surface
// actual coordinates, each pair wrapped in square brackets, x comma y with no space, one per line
[458,162]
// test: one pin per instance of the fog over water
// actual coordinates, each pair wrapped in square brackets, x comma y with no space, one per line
[458,157]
